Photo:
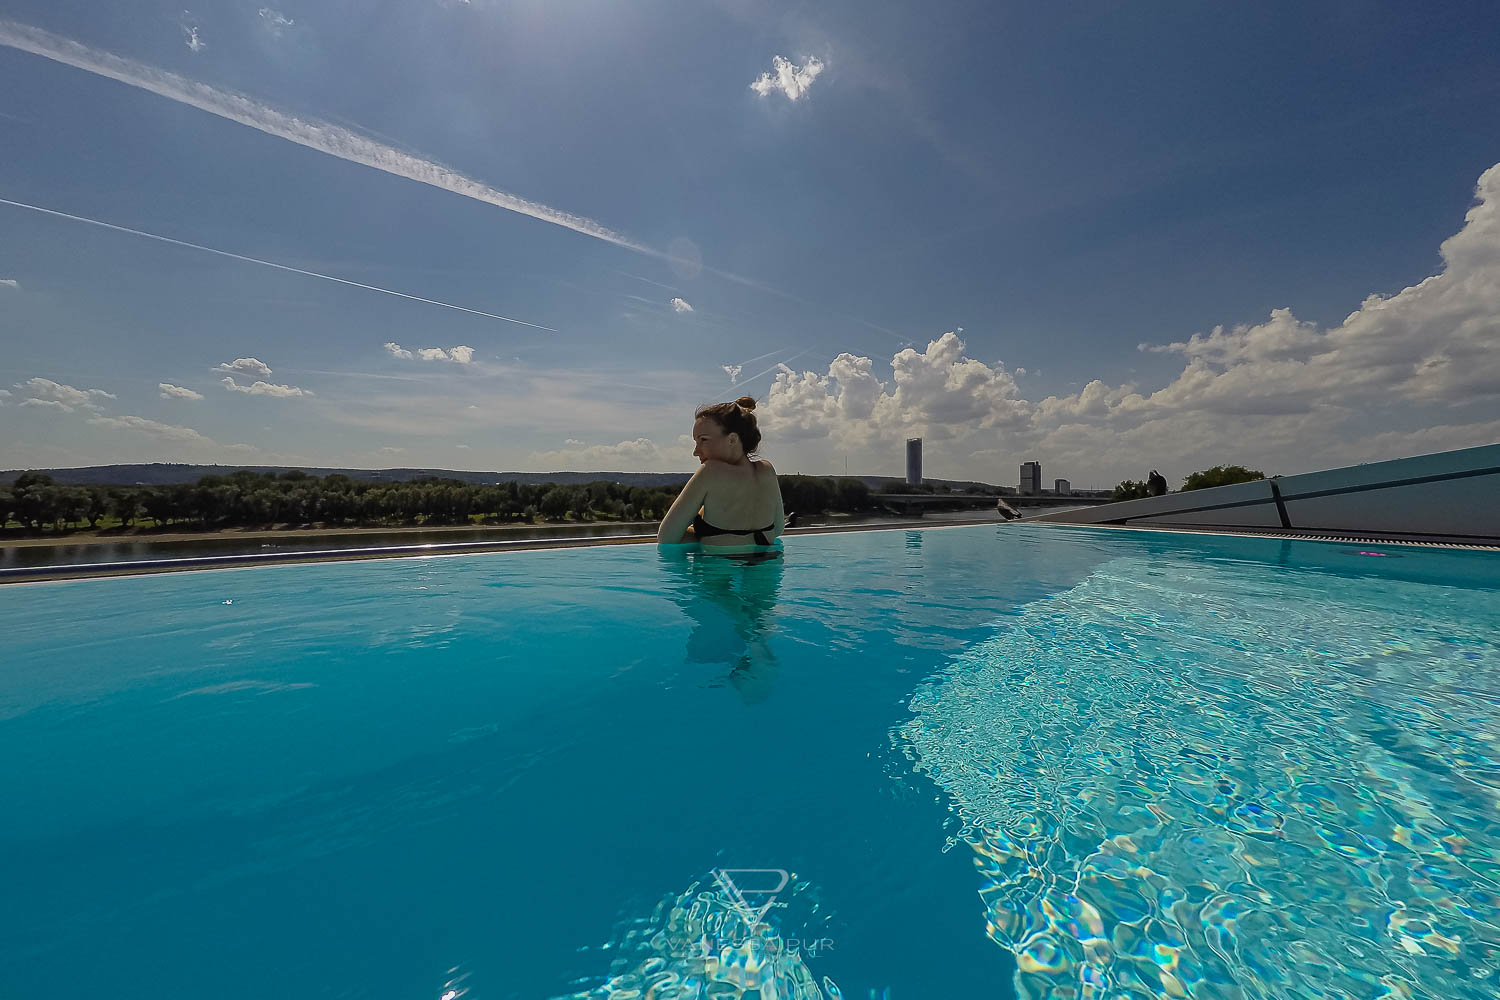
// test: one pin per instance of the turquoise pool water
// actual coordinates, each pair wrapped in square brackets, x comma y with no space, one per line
[991,761]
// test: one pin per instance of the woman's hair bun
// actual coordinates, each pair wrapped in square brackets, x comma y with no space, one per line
[745,402]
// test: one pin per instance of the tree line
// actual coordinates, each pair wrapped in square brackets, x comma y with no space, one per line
[36,503]
[1219,475]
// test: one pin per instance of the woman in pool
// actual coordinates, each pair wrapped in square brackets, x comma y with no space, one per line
[733,502]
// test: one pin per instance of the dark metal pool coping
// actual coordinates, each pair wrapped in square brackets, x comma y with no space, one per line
[1298,534]
[138,567]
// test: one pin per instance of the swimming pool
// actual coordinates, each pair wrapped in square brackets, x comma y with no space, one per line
[1063,762]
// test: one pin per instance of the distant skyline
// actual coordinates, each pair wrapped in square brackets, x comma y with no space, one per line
[489,236]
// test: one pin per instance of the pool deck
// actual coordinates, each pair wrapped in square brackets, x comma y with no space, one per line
[140,567]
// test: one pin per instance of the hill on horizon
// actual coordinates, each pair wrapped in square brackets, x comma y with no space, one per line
[167,473]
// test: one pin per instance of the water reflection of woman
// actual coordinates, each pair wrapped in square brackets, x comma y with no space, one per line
[732,605]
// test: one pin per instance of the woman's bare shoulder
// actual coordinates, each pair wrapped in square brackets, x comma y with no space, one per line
[765,466]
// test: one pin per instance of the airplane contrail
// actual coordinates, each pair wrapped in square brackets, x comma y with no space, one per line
[270,263]
[325,137]
[762,357]
[336,140]
[752,378]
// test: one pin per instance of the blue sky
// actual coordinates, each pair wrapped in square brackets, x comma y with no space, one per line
[1011,229]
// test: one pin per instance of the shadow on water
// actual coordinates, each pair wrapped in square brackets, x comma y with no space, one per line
[732,605]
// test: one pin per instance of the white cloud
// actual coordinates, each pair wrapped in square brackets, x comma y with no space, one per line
[170,391]
[788,78]
[681,306]
[324,137]
[932,393]
[275,21]
[733,371]
[1284,395]
[245,366]
[175,438]
[637,455]
[389,450]
[1431,343]
[458,355]
[169,432]
[190,36]
[45,392]
[264,389]
[9,283]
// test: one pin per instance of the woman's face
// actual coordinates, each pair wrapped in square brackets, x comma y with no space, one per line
[710,442]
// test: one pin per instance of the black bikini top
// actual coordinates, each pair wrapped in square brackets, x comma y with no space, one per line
[703,529]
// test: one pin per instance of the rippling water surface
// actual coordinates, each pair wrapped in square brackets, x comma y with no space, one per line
[991,761]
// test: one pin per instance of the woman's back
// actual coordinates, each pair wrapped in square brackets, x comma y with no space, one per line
[741,497]
[738,496]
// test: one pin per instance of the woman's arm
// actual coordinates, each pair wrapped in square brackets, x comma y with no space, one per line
[778,524]
[675,525]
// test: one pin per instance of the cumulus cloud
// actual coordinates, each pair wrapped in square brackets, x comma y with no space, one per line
[9,283]
[788,78]
[170,391]
[932,393]
[264,389]
[1284,393]
[43,392]
[733,371]
[681,306]
[458,355]
[245,366]
[1430,344]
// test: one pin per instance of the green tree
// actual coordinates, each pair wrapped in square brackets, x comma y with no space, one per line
[852,495]
[36,499]
[807,494]
[1130,489]
[1220,475]
[73,505]
[98,505]
[554,505]
[159,504]
[125,503]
